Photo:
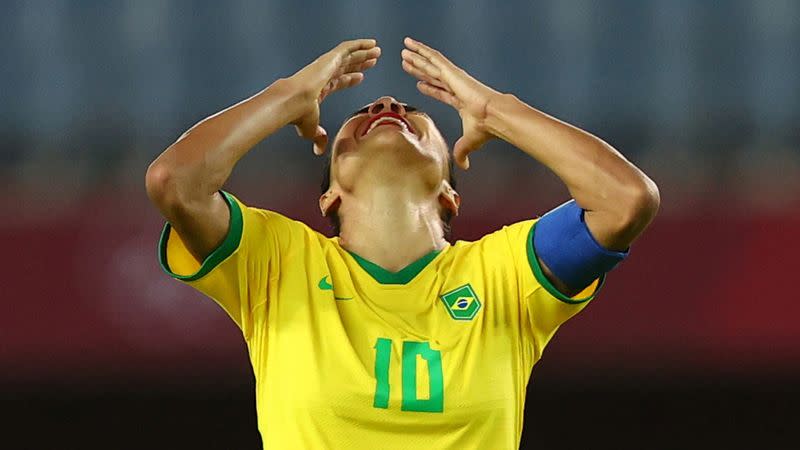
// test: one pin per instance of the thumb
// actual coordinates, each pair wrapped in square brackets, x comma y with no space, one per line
[307,126]
[464,146]
[320,141]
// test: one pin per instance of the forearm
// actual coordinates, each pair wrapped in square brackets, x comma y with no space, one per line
[201,160]
[619,196]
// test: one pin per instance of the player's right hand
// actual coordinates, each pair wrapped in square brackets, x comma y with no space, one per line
[340,68]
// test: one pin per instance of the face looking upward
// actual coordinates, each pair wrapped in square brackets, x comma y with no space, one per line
[390,134]
[393,142]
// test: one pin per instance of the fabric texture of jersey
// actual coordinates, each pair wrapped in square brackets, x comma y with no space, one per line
[347,355]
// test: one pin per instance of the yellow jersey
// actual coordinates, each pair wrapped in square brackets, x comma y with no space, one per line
[348,355]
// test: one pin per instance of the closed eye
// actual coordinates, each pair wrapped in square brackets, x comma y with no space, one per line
[411,109]
[360,111]
[364,110]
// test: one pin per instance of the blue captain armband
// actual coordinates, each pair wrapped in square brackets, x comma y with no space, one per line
[564,243]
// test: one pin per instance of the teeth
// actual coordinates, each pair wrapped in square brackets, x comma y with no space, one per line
[385,120]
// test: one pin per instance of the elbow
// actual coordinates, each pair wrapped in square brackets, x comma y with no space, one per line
[640,206]
[649,199]
[160,186]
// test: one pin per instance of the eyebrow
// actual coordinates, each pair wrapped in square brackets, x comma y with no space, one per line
[364,110]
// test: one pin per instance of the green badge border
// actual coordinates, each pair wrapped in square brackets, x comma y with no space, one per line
[474,295]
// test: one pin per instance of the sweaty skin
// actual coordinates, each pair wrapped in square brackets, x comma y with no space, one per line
[619,199]
[183,182]
[389,185]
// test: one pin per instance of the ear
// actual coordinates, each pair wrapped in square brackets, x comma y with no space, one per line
[329,201]
[449,198]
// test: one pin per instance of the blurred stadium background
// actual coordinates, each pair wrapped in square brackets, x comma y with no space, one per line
[695,342]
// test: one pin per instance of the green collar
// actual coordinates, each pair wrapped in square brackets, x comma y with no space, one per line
[405,274]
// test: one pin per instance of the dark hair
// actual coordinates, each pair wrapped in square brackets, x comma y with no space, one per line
[446,214]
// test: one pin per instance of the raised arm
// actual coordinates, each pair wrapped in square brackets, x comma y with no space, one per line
[184,181]
[618,199]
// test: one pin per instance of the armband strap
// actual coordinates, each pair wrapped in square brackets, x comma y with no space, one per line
[564,243]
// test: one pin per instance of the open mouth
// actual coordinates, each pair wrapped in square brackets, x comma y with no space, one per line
[388,118]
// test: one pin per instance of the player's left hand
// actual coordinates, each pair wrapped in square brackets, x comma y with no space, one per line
[441,79]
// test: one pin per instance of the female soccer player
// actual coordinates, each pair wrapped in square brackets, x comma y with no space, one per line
[387,336]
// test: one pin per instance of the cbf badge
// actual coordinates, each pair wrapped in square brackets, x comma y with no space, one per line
[462,303]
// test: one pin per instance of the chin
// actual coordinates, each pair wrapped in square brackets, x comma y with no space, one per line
[390,154]
[393,144]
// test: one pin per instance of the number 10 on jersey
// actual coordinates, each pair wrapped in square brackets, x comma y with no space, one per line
[411,349]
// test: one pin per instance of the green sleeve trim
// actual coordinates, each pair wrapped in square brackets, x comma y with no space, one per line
[225,249]
[533,261]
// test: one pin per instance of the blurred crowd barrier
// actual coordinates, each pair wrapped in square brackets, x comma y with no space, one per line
[702,294]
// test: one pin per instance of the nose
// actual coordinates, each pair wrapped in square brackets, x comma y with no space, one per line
[387,104]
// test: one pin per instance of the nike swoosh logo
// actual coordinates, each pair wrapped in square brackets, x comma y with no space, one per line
[325,285]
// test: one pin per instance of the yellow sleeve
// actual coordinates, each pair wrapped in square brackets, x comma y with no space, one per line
[237,273]
[545,306]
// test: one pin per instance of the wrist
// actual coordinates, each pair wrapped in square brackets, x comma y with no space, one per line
[295,100]
[497,109]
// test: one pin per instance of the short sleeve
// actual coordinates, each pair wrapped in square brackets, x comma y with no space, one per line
[545,306]
[236,274]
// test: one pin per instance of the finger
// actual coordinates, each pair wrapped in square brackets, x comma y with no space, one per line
[357,44]
[461,150]
[360,67]
[413,71]
[422,76]
[320,141]
[360,56]
[331,86]
[433,55]
[357,66]
[348,80]
[437,93]
[308,127]
[462,161]
[421,63]
[341,82]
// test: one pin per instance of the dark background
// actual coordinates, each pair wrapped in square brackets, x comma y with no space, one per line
[694,343]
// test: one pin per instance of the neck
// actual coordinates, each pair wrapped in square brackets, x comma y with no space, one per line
[391,224]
